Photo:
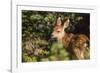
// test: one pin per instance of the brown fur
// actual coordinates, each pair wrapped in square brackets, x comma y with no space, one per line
[75,44]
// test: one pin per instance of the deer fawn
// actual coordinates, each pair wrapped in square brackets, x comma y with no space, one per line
[75,44]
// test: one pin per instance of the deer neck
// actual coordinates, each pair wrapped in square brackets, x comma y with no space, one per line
[67,39]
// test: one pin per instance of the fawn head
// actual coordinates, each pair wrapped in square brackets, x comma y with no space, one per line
[59,29]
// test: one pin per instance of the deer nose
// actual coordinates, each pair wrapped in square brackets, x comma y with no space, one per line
[53,39]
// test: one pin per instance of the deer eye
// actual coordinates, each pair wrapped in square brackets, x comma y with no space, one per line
[58,31]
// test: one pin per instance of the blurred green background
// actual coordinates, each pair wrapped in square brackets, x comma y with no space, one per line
[37,27]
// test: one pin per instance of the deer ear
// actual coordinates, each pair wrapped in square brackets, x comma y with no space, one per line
[59,21]
[66,23]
